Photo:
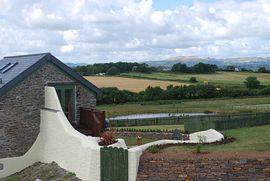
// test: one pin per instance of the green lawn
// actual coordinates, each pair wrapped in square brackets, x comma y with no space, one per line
[218,78]
[252,104]
[247,139]
[160,127]
[131,141]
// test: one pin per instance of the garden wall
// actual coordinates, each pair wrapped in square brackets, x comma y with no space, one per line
[221,166]
[59,142]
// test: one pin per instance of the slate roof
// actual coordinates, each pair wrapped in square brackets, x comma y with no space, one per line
[26,64]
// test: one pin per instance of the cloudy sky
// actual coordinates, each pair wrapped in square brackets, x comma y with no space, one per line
[135,30]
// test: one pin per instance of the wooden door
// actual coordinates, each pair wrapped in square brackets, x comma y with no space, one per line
[66,95]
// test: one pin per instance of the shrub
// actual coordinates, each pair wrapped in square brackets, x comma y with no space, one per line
[153,149]
[199,148]
[107,138]
[193,79]
[252,83]
[265,91]
[69,175]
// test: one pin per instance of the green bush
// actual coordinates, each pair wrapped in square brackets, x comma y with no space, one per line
[193,79]
[153,149]
[199,148]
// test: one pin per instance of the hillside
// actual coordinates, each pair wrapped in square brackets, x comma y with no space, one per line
[241,62]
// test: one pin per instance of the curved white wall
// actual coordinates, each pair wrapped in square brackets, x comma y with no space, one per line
[58,141]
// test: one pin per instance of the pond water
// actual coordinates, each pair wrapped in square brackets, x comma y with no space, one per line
[157,115]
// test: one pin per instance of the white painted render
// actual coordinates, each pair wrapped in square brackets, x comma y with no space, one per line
[58,141]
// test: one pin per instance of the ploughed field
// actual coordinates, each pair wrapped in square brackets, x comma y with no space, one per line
[131,84]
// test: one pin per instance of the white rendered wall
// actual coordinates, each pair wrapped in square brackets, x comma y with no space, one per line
[58,141]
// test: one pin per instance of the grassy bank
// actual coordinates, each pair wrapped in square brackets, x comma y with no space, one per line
[252,104]
[247,139]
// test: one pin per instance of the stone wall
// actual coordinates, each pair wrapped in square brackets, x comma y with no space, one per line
[20,109]
[189,167]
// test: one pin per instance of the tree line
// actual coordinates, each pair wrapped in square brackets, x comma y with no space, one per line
[113,95]
[126,67]
[200,68]
[114,68]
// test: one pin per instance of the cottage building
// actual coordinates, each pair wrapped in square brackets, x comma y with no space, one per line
[22,82]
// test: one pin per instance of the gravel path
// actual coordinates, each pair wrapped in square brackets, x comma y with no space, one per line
[42,172]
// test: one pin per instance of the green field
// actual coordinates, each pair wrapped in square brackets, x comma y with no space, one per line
[252,104]
[131,141]
[247,139]
[218,78]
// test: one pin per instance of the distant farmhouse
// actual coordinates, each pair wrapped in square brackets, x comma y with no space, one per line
[22,82]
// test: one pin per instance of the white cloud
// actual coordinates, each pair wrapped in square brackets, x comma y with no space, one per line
[101,30]
[70,35]
[66,48]
[157,17]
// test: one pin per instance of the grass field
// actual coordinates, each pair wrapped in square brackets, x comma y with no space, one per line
[131,84]
[255,104]
[131,141]
[218,78]
[247,139]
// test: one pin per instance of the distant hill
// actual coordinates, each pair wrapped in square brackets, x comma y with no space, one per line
[242,62]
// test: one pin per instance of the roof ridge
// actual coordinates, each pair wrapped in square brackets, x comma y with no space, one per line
[28,55]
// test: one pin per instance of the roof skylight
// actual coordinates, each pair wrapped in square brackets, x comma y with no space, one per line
[7,67]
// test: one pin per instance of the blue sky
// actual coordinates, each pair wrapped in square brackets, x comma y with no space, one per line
[135,30]
[171,4]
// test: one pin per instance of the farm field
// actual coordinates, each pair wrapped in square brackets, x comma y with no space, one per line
[131,84]
[251,104]
[218,78]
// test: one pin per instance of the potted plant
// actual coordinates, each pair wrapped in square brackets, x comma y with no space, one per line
[139,140]
[107,138]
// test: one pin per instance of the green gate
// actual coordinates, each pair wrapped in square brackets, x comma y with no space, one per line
[114,164]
